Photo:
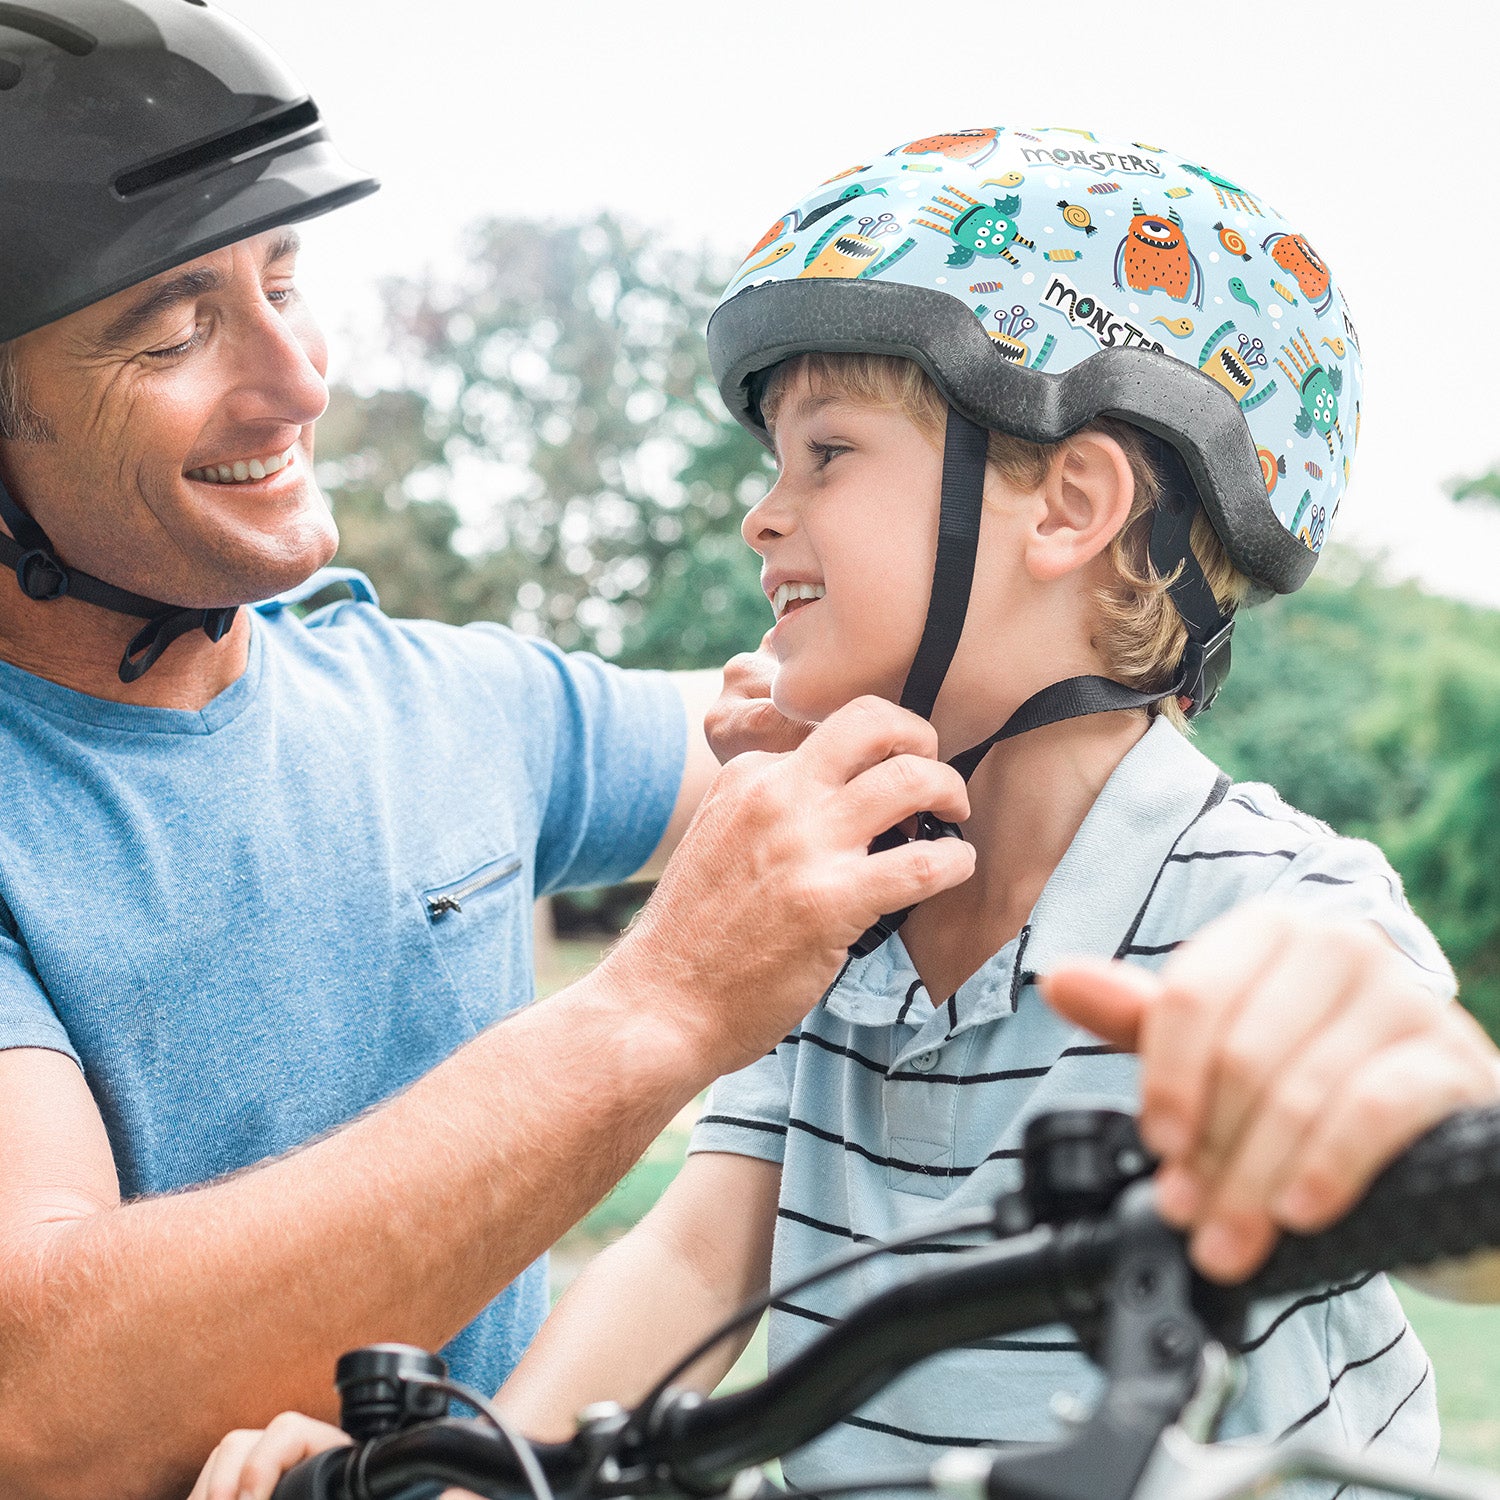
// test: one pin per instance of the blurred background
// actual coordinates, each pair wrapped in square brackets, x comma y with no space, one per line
[523,427]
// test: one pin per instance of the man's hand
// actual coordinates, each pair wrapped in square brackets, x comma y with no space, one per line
[774,878]
[1284,1062]
[744,718]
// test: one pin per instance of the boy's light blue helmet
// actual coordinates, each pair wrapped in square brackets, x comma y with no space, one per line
[1044,278]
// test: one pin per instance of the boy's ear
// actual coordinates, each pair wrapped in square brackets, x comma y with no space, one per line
[1086,499]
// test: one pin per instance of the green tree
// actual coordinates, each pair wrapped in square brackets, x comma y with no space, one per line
[555,453]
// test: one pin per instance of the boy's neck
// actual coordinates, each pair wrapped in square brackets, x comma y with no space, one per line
[1029,798]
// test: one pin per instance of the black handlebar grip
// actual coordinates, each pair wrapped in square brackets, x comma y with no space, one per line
[317,1478]
[1440,1199]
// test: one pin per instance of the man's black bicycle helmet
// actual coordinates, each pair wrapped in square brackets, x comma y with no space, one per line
[138,135]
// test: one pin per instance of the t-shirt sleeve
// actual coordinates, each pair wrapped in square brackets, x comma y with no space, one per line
[746,1113]
[27,1018]
[606,747]
[1350,878]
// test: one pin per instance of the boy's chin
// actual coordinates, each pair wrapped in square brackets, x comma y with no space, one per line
[808,702]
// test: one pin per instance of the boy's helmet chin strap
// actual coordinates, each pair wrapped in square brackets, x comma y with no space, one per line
[29,551]
[1205,660]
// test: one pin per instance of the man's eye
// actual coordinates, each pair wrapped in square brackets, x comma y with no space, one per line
[176,350]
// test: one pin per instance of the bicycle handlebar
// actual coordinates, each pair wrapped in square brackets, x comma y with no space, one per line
[1439,1200]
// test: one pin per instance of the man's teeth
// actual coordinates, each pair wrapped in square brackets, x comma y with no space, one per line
[787,592]
[238,473]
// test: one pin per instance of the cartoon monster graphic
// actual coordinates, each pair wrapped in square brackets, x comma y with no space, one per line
[856,254]
[987,229]
[1234,367]
[1318,389]
[1154,254]
[1296,257]
[798,219]
[1008,335]
[1230,194]
[1310,522]
[972,146]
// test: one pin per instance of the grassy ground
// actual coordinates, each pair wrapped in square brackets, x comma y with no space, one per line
[1464,1342]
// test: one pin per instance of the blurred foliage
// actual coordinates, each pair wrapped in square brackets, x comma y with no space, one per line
[555,453]
[545,447]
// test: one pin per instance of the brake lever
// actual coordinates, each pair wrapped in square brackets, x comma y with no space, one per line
[1152,1351]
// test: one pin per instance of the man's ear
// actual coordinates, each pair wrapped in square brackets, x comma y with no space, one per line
[1086,499]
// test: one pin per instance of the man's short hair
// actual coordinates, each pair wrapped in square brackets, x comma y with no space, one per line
[20,421]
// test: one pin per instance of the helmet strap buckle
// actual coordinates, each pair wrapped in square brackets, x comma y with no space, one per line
[40,575]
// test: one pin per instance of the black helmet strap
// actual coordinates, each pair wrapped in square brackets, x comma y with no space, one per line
[30,553]
[1205,661]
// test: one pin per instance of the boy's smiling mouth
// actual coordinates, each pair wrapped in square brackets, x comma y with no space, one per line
[786,597]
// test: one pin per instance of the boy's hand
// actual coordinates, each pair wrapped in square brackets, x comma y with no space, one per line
[246,1465]
[744,718]
[1284,1062]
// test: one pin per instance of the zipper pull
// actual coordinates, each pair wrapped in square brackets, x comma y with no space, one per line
[438,906]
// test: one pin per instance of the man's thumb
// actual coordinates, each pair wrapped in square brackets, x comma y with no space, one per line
[1108,998]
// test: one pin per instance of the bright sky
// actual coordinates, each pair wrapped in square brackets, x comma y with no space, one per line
[1376,130]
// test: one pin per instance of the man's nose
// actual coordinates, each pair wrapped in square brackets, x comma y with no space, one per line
[283,360]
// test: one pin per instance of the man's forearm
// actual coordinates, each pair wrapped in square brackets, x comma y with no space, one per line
[131,1339]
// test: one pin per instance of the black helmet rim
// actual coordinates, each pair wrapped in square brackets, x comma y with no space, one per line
[762,326]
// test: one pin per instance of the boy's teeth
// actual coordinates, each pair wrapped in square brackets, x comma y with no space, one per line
[787,592]
[245,469]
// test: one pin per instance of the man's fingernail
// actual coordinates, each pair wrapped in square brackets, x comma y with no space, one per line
[1295,1207]
[1178,1195]
[1166,1135]
[1215,1249]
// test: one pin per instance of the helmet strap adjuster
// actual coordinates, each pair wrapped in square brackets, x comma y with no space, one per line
[40,575]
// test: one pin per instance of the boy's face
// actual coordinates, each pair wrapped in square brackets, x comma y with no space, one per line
[847,537]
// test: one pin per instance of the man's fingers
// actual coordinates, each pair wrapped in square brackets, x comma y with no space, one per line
[897,878]
[1203,985]
[1401,1092]
[220,1479]
[1263,1037]
[898,787]
[862,734]
[289,1439]
[1108,998]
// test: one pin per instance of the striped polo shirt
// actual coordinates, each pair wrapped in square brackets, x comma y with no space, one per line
[888,1108]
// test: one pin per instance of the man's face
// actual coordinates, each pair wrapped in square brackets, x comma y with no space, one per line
[167,400]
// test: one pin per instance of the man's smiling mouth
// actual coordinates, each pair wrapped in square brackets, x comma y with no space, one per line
[243,470]
[790,596]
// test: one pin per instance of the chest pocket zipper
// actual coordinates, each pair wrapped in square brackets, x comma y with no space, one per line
[446,898]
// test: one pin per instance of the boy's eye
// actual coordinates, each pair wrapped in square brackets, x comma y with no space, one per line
[823,453]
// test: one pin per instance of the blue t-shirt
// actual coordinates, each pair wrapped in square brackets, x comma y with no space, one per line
[251,922]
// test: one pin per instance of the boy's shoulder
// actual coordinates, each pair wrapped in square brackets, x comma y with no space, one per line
[1251,843]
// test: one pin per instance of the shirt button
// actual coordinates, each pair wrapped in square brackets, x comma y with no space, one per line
[925,1062]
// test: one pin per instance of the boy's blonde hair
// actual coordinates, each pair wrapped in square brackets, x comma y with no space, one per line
[1140,633]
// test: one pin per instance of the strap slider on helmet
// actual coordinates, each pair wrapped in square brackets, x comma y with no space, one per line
[40,575]
[1205,665]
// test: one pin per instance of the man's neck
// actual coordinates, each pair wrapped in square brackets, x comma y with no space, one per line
[79,646]
[1029,798]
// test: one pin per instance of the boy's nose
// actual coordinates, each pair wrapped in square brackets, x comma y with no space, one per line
[766,520]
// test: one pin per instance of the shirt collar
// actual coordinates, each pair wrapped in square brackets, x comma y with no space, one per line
[1087,907]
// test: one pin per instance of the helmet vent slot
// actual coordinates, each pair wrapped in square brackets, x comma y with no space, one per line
[47,29]
[219,151]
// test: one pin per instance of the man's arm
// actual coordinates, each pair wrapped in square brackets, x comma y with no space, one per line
[132,1336]
[698,691]
[702,1251]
